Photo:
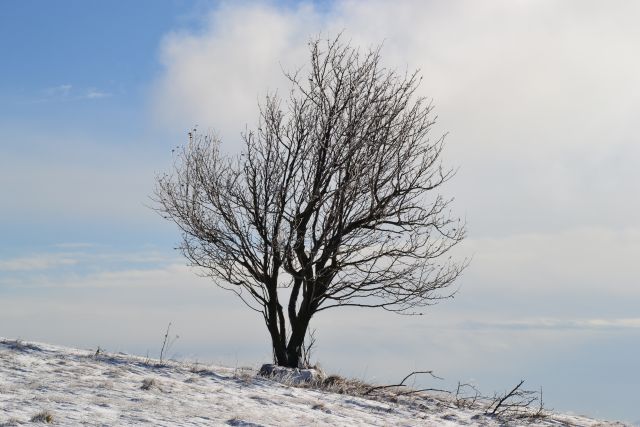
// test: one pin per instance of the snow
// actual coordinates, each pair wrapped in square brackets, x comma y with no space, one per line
[80,387]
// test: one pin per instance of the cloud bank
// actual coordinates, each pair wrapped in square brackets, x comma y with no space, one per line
[539,97]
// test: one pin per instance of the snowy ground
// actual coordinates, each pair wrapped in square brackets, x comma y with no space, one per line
[40,383]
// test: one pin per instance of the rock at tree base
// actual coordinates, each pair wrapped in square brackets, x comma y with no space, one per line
[292,375]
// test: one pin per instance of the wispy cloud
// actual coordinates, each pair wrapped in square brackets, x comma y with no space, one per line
[82,257]
[70,92]
[37,262]
[60,91]
[556,324]
[74,245]
[96,94]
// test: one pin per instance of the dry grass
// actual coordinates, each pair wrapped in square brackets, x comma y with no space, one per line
[42,417]
[149,383]
[244,374]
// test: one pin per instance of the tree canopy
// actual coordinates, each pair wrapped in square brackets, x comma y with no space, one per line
[333,202]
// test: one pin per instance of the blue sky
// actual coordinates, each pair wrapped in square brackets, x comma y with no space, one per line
[74,85]
[540,99]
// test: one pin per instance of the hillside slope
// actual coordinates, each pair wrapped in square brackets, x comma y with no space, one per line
[41,383]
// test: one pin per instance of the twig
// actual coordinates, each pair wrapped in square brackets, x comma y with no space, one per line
[308,347]
[463,401]
[167,343]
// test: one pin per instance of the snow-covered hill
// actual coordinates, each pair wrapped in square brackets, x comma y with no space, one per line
[42,383]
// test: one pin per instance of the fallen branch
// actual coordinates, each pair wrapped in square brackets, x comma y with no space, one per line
[504,398]
[402,384]
[406,393]
[517,403]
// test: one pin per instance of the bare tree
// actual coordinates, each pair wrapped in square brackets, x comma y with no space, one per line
[332,203]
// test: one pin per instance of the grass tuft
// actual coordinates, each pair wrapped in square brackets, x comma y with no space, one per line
[149,383]
[42,417]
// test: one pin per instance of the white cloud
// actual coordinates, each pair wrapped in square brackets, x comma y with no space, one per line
[58,91]
[74,245]
[64,92]
[37,262]
[102,267]
[580,261]
[172,276]
[535,64]
[557,324]
[538,96]
[96,94]
[216,78]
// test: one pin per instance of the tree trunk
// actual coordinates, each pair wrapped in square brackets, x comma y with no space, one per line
[279,348]
[289,354]
[294,357]
[296,340]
